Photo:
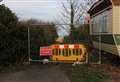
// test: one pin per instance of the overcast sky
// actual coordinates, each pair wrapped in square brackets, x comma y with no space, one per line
[47,10]
[40,9]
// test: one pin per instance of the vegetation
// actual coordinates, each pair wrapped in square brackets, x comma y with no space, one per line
[86,73]
[11,44]
[79,34]
[14,37]
[41,34]
[83,75]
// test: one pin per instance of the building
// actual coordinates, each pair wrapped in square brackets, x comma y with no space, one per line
[105,25]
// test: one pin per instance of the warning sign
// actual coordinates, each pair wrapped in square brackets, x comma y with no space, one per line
[45,51]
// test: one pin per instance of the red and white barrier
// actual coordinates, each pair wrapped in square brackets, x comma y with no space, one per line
[66,46]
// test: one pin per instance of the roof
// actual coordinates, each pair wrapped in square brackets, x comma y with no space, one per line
[99,6]
[94,5]
[116,2]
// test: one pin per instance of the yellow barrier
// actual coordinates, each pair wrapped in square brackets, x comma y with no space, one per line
[69,52]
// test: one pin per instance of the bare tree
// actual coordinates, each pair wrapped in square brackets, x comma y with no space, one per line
[90,2]
[72,12]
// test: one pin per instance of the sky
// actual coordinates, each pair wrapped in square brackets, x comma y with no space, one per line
[46,10]
[39,9]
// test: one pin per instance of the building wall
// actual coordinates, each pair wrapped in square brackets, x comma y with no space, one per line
[107,39]
[116,19]
[116,25]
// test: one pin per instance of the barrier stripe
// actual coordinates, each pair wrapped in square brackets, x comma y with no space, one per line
[76,46]
[56,46]
[61,46]
[66,46]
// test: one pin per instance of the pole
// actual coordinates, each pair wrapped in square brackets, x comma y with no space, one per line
[29,44]
[100,49]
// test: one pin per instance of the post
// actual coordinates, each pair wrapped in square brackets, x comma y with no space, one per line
[29,44]
[100,50]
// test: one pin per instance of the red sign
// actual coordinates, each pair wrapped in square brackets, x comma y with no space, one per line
[45,51]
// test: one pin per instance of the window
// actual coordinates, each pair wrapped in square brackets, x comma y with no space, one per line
[104,28]
[93,25]
[99,24]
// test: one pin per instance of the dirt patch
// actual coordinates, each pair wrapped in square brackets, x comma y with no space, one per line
[35,73]
[61,73]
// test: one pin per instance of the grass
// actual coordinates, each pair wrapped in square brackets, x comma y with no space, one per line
[89,76]
[83,73]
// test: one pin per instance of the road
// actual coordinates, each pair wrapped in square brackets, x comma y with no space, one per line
[36,73]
